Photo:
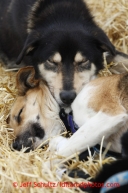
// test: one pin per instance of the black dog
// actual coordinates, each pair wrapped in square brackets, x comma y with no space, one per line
[113,178]
[59,38]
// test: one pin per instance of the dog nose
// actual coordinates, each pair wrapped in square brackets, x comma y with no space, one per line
[23,140]
[15,145]
[67,97]
[18,146]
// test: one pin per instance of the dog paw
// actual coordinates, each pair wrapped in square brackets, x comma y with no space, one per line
[57,143]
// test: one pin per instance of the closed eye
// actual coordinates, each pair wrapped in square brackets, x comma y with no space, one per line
[18,117]
[85,65]
[51,63]
[83,62]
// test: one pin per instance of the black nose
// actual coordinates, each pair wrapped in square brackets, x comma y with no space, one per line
[23,140]
[15,145]
[67,97]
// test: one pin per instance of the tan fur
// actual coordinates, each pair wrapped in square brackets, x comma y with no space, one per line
[57,58]
[53,79]
[82,78]
[120,63]
[103,99]
[78,57]
[30,16]
[38,95]
[106,97]
[100,109]
[36,101]
[30,81]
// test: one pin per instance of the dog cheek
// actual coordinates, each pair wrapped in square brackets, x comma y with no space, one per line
[80,79]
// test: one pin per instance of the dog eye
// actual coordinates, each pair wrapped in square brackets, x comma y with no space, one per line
[85,64]
[18,117]
[51,63]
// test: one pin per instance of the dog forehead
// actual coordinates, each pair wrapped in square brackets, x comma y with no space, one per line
[34,98]
[57,57]
[29,99]
[18,104]
[78,57]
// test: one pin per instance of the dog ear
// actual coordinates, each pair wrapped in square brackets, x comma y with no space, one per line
[120,62]
[102,41]
[119,59]
[26,80]
[30,44]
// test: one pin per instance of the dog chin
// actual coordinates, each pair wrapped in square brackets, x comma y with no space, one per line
[66,108]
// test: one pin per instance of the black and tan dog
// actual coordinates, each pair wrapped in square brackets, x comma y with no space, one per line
[59,38]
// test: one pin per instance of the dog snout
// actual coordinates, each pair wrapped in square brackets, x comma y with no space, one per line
[29,138]
[18,145]
[67,97]
[25,140]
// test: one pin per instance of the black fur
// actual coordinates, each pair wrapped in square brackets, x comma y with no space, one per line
[124,141]
[57,25]
[32,31]
[116,167]
[108,170]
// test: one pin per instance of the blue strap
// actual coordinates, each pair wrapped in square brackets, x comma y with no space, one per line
[120,179]
[71,123]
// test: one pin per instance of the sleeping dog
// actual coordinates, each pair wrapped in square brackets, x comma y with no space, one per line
[59,38]
[35,113]
[99,110]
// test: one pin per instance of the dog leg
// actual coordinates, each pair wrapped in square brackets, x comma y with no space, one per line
[92,132]
[89,134]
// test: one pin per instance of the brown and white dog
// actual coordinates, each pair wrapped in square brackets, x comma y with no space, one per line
[100,109]
[35,113]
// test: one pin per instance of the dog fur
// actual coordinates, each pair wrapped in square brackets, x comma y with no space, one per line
[59,38]
[99,110]
[115,168]
[35,113]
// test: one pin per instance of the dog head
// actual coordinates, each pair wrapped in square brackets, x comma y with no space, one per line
[66,47]
[34,115]
[66,63]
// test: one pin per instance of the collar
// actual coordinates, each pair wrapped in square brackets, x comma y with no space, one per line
[67,119]
[72,124]
[120,179]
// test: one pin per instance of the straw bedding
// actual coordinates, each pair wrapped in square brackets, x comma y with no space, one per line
[18,167]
